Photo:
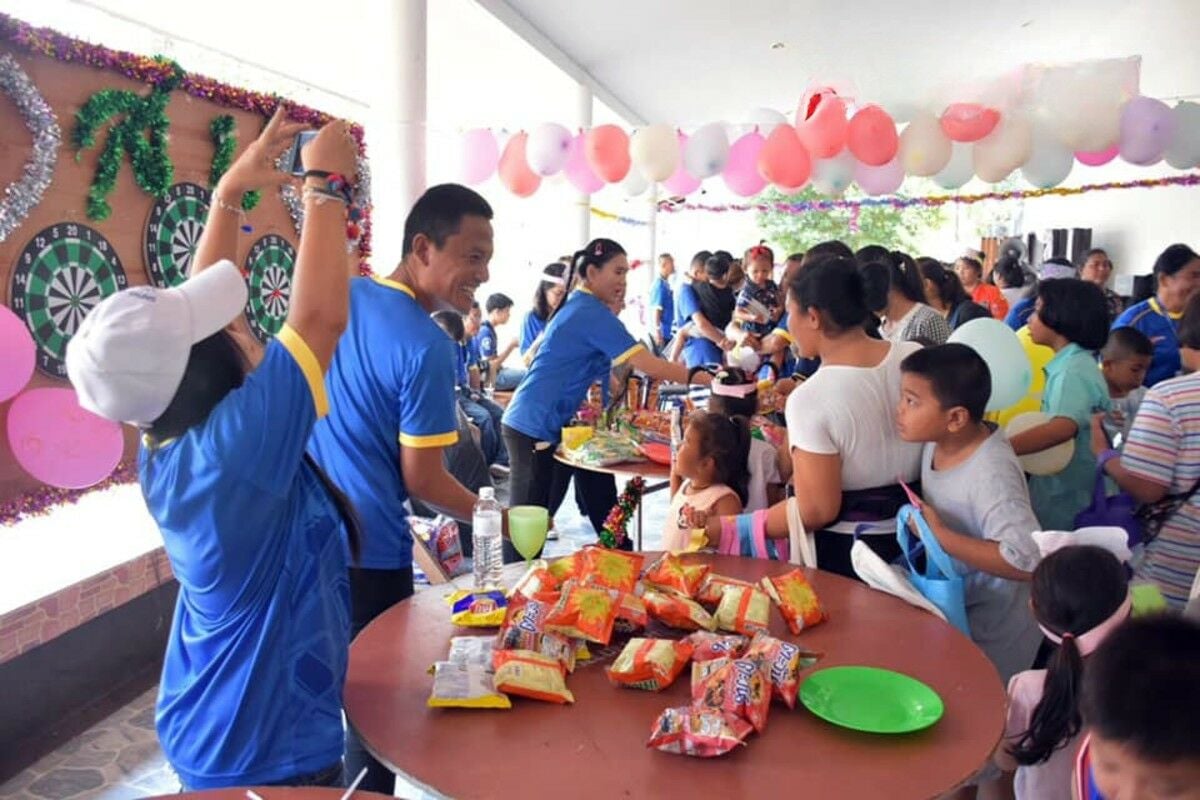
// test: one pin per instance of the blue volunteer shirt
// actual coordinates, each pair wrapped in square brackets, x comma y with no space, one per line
[474,356]
[697,351]
[583,340]
[1163,331]
[485,340]
[391,384]
[531,327]
[460,365]
[251,689]
[661,297]
[793,364]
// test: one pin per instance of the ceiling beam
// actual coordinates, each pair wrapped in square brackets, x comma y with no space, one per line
[518,24]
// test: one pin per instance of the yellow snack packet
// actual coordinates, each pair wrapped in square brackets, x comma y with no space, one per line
[744,610]
[529,674]
[464,686]
[478,609]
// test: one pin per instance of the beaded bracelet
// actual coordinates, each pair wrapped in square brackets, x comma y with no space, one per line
[232,209]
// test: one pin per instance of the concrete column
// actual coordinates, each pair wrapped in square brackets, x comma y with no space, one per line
[583,120]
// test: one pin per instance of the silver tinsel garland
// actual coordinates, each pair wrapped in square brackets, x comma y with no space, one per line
[22,196]
[295,206]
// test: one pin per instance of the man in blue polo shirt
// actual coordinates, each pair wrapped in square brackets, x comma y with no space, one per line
[391,388]
[662,303]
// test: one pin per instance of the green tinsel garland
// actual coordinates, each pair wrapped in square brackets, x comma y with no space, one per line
[224,144]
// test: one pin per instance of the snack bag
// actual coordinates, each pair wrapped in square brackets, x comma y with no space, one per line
[631,613]
[782,661]
[523,624]
[565,568]
[582,653]
[669,574]
[464,686]
[650,664]
[583,612]
[797,601]
[472,651]
[678,612]
[745,610]
[738,689]
[708,646]
[561,648]
[529,674]
[698,732]
[478,609]
[611,569]
[537,580]
[701,672]
[714,587]
[439,537]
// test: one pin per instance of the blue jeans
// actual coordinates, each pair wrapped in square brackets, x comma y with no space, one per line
[486,416]
[508,378]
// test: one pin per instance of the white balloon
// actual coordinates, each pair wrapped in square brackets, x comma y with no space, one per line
[547,148]
[1004,149]
[924,148]
[1049,161]
[655,151]
[1184,150]
[1044,462]
[634,183]
[959,170]
[1081,103]
[832,176]
[707,151]
[766,120]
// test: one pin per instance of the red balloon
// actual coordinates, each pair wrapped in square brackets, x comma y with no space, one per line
[871,136]
[783,159]
[607,150]
[821,123]
[514,169]
[968,122]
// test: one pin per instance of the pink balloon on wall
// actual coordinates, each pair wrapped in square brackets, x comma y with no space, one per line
[17,354]
[681,181]
[968,122]
[821,123]
[783,160]
[741,170]
[607,151]
[1097,159]
[883,179]
[578,171]
[514,170]
[480,154]
[1147,127]
[59,443]
[871,136]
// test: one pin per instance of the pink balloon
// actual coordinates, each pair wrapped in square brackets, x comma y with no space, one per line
[59,443]
[17,354]
[1147,127]
[821,123]
[783,160]
[968,122]
[871,136]
[480,154]
[682,182]
[883,179]
[577,170]
[607,151]
[1097,159]
[741,170]
[514,170]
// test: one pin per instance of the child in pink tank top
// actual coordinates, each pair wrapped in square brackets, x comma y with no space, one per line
[709,475]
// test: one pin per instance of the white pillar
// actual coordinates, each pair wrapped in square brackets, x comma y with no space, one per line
[583,120]
[396,129]
[652,218]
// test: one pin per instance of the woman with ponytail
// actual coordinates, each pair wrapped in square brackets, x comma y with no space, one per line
[1080,594]
[582,340]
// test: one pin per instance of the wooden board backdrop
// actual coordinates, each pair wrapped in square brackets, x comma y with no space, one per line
[66,87]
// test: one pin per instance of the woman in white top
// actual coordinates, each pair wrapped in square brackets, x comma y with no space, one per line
[896,292]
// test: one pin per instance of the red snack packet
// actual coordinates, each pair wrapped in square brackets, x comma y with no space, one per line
[714,587]
[523,624]
[537,580]
[651,664]
[611,569]
[708,646]
[782,661]
[700,732]
[669,574]
[678,612]
[701,672]
[739,689]
[583,612]
[799,604]
[744,609]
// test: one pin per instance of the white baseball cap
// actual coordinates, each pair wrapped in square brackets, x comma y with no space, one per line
[128,357]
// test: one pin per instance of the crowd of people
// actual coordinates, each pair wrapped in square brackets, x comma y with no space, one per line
[283,488]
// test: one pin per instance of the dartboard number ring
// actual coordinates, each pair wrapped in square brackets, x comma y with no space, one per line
[173,233]
[269,267]
[63,272]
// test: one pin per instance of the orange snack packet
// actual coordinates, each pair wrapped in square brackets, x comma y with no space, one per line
[529,674]
[701,672]
[708,646]
[565,568]
[714,587]
[631,613]
[537,580]
[583,612]
[611,569]
[799,604]
[678,612]
[669,574]
[782,661]
[738,689]
[698,732]
[744,610]
[650,664]
[523,623]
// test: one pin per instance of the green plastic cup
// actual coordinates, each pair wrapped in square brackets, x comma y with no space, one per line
[527,527]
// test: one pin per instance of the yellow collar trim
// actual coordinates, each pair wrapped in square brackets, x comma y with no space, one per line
[403,287]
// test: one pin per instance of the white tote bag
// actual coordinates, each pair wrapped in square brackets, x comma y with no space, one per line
[802,546]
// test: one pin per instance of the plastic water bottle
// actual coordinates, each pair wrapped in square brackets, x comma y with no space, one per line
[487,537]
[676,430]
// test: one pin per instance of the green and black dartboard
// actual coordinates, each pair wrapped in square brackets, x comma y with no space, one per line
[173,231]
[269,267]
[63,273]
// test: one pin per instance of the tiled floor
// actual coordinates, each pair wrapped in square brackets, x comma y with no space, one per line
[119,757]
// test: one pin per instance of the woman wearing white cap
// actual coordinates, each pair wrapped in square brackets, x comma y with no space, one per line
[251,689]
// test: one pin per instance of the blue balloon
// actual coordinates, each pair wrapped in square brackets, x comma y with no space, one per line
[999,347]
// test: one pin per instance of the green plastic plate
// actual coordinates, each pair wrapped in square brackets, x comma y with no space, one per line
[871,699]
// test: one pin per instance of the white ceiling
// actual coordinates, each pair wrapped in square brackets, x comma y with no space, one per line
[688,62]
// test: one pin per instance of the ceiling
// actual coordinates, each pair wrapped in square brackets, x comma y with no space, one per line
[689,62]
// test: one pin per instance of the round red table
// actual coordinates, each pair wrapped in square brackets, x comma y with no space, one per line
[597,747]
[275,793]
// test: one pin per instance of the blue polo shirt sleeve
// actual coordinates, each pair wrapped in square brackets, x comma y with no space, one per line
[426,401]
[531,326]
[603,331]
[687,303]
[460,365]
[487,341]
[261,428]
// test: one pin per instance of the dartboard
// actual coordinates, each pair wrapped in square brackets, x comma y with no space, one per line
[173,231]
[269,266]
[62,273]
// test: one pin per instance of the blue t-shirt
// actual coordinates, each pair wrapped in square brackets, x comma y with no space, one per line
[1163,331]
[474,356]
[765,296]
[583,340]
[460,365]
[662,297]
[1018,315]
[697,350]
[485,340]
[531,328]
[251,689]
[685,299]
[391,382]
